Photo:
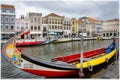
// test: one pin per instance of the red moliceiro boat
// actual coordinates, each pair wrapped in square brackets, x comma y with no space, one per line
[28,43]
[58,67]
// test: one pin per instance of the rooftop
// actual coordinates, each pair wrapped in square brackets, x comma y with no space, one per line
[112,20]
[7,6]
[53,14]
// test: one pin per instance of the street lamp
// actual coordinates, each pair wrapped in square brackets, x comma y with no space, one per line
[81,57]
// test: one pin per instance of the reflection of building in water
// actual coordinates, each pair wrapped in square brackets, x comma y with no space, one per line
[111,28]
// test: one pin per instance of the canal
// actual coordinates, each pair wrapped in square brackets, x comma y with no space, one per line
[50,51]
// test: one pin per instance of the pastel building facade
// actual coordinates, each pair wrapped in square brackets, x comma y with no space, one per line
[54,23]
[111,28]
[8,17]
[35,25]
[66,27]
[87,26]
[74,27]
[22,24]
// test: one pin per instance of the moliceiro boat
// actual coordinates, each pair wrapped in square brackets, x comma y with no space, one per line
[57,67]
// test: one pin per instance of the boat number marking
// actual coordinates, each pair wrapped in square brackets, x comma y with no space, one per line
[26,65]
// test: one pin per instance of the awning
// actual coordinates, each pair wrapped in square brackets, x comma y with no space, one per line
[52,33]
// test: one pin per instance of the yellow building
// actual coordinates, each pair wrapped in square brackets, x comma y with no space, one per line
[74,27]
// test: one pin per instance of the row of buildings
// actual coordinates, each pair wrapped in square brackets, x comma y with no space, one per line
[52,23]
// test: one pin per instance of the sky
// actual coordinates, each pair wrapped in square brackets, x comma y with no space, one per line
[103,10]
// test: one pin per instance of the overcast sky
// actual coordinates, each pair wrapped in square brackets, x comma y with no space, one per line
[102,10]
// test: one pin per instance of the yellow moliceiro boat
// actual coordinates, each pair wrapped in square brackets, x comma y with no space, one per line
[98,60]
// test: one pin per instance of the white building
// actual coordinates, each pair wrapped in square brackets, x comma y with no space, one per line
[35,24]
[7,21]
[22,24]
[55,23]
[111,28]
[45,30]
[66,27]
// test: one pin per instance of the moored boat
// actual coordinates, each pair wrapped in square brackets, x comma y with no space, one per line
[27,43]
[57,67]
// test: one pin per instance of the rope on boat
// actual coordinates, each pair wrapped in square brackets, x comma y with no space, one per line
[90,68]
[106,60]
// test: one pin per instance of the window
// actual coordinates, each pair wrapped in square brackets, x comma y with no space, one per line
[55,21]
[3,10]
[6,19]
[52,27]
[44,29]
[38,27]
[11,27]
[35,28]
[12,19]
[1,18]
[73,22]
[49,26]
[22,28]
[38,19]
[55,27]
[31,27]
[35,19]
[64,28]
[6,27]
[1,27]
[61,21]
[12,11]
[69,28]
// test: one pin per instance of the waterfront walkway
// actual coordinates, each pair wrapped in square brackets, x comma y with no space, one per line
[59,40]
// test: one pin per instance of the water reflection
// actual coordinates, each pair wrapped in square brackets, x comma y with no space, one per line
[59,49]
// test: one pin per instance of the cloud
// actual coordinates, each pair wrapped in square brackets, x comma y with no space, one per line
[96,9]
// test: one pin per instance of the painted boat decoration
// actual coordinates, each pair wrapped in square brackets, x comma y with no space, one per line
[54,67]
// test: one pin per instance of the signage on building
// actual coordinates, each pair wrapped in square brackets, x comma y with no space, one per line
[98,29]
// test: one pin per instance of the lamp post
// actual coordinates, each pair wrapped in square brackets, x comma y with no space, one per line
[81,57]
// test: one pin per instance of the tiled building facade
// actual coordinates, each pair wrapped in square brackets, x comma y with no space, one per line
[8,17]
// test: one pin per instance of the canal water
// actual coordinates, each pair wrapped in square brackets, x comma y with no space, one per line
[50,51]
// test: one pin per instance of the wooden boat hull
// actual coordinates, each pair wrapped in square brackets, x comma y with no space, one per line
[42,68]
[97,61]
[52,73]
